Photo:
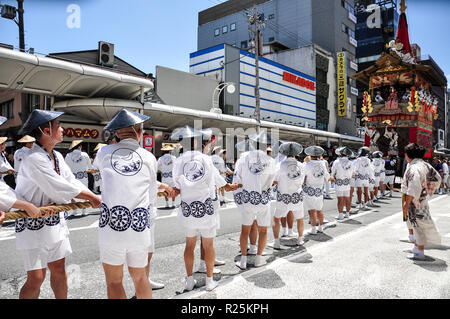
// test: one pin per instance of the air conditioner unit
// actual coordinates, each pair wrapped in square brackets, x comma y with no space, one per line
[105,53]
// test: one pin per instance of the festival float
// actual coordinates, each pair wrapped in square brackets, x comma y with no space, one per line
[399,107]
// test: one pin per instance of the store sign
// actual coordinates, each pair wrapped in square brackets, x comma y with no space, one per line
[353,41]
[148,141]
[354,66]
[342,81]
[354,91]
[87,133]
[352,17]
[298,80]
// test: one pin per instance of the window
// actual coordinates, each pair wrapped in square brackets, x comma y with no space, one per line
[216,32]
[233,27]
[244,44]
[7,109]
[343,28]
[225,29]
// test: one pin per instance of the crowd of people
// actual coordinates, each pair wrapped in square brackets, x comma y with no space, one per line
[200,176]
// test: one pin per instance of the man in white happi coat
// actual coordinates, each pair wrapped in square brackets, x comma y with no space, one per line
[315,177]
[289,178]
[378,165]
[419,184]
[342,172]
[390,165]
[5,166]
[21,153]
[255,171]
[445,174]
[129,190]
[95,172]
[364,171]
[165,166]
[79,162]
[196,179]
[219,164]
[45,178]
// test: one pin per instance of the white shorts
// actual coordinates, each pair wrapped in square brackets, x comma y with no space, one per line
[282,213]
[445,179]
[117,257]
[38,258]
[389,179]
[352,182]
[342,193]
[382,178]
[362,183]
[262,216]
[205,232]
[313,203]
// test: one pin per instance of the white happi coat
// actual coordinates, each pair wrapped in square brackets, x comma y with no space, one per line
[290,177]
[79,162]
[342,170]
[364,171]
[19,157]
[219,164]
[7,197]
[196,177]
[378,166]
[129,190]
[97,176]
[165,166]
[256,172]
[4,166]
[420,181]
[40,183]
[316,176]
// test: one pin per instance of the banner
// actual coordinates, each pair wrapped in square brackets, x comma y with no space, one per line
[341,87]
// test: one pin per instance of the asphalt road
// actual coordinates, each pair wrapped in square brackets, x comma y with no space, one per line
[86,277]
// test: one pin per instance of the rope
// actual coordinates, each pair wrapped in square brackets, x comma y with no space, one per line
[92,171]
[56,208]
[6,173]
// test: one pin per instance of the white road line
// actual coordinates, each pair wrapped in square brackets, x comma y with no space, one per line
[281,261]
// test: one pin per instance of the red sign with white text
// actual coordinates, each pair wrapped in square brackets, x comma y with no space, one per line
[298,80]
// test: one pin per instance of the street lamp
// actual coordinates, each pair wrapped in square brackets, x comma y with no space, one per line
[231,88]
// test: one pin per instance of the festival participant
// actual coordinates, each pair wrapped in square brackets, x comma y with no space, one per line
[390,165]
[342,172]
[382,178]
[165,166]
[129,189]
[445,174]
[5,166]
[195,180]
[364,172]
[289,178]
[45,178]
[255,171]
[315,176]
[352,159]
[378,165]
[324,158]
[97,176]
[22,152]
[219,164]
[419,182]
[79,162]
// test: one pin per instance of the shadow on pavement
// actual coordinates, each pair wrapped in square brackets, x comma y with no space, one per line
[267,279]
[432,264]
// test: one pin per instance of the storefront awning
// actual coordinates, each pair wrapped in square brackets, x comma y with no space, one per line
[167,117]
[55,77]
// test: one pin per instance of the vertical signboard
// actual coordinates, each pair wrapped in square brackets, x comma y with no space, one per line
[341,85]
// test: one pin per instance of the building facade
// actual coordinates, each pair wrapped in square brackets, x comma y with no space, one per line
[290,24]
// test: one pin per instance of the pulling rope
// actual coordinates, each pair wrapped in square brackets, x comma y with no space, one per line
[56,209]
[6,173]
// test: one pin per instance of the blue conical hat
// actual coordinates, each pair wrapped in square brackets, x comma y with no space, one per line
[126,118]
[2,120]
[37,118]
[291,149]
[185,132]
[315,151]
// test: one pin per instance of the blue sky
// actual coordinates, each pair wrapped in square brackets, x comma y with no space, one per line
[147,33]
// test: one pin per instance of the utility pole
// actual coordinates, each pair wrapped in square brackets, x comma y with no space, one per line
[257,23]
[21,26]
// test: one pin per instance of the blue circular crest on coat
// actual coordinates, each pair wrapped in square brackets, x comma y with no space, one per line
[265,197]
[140,219]
[120,218]
[104,216]
[209,207]
[255,198]
[309,191]
[126,161]
[185,209]
[293,172]
[318,192]
[52,220]
[198,209]
[257,165]
[339,182]
[34,223]
[96,177]
[286,198]
[20,225]
[193,171]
